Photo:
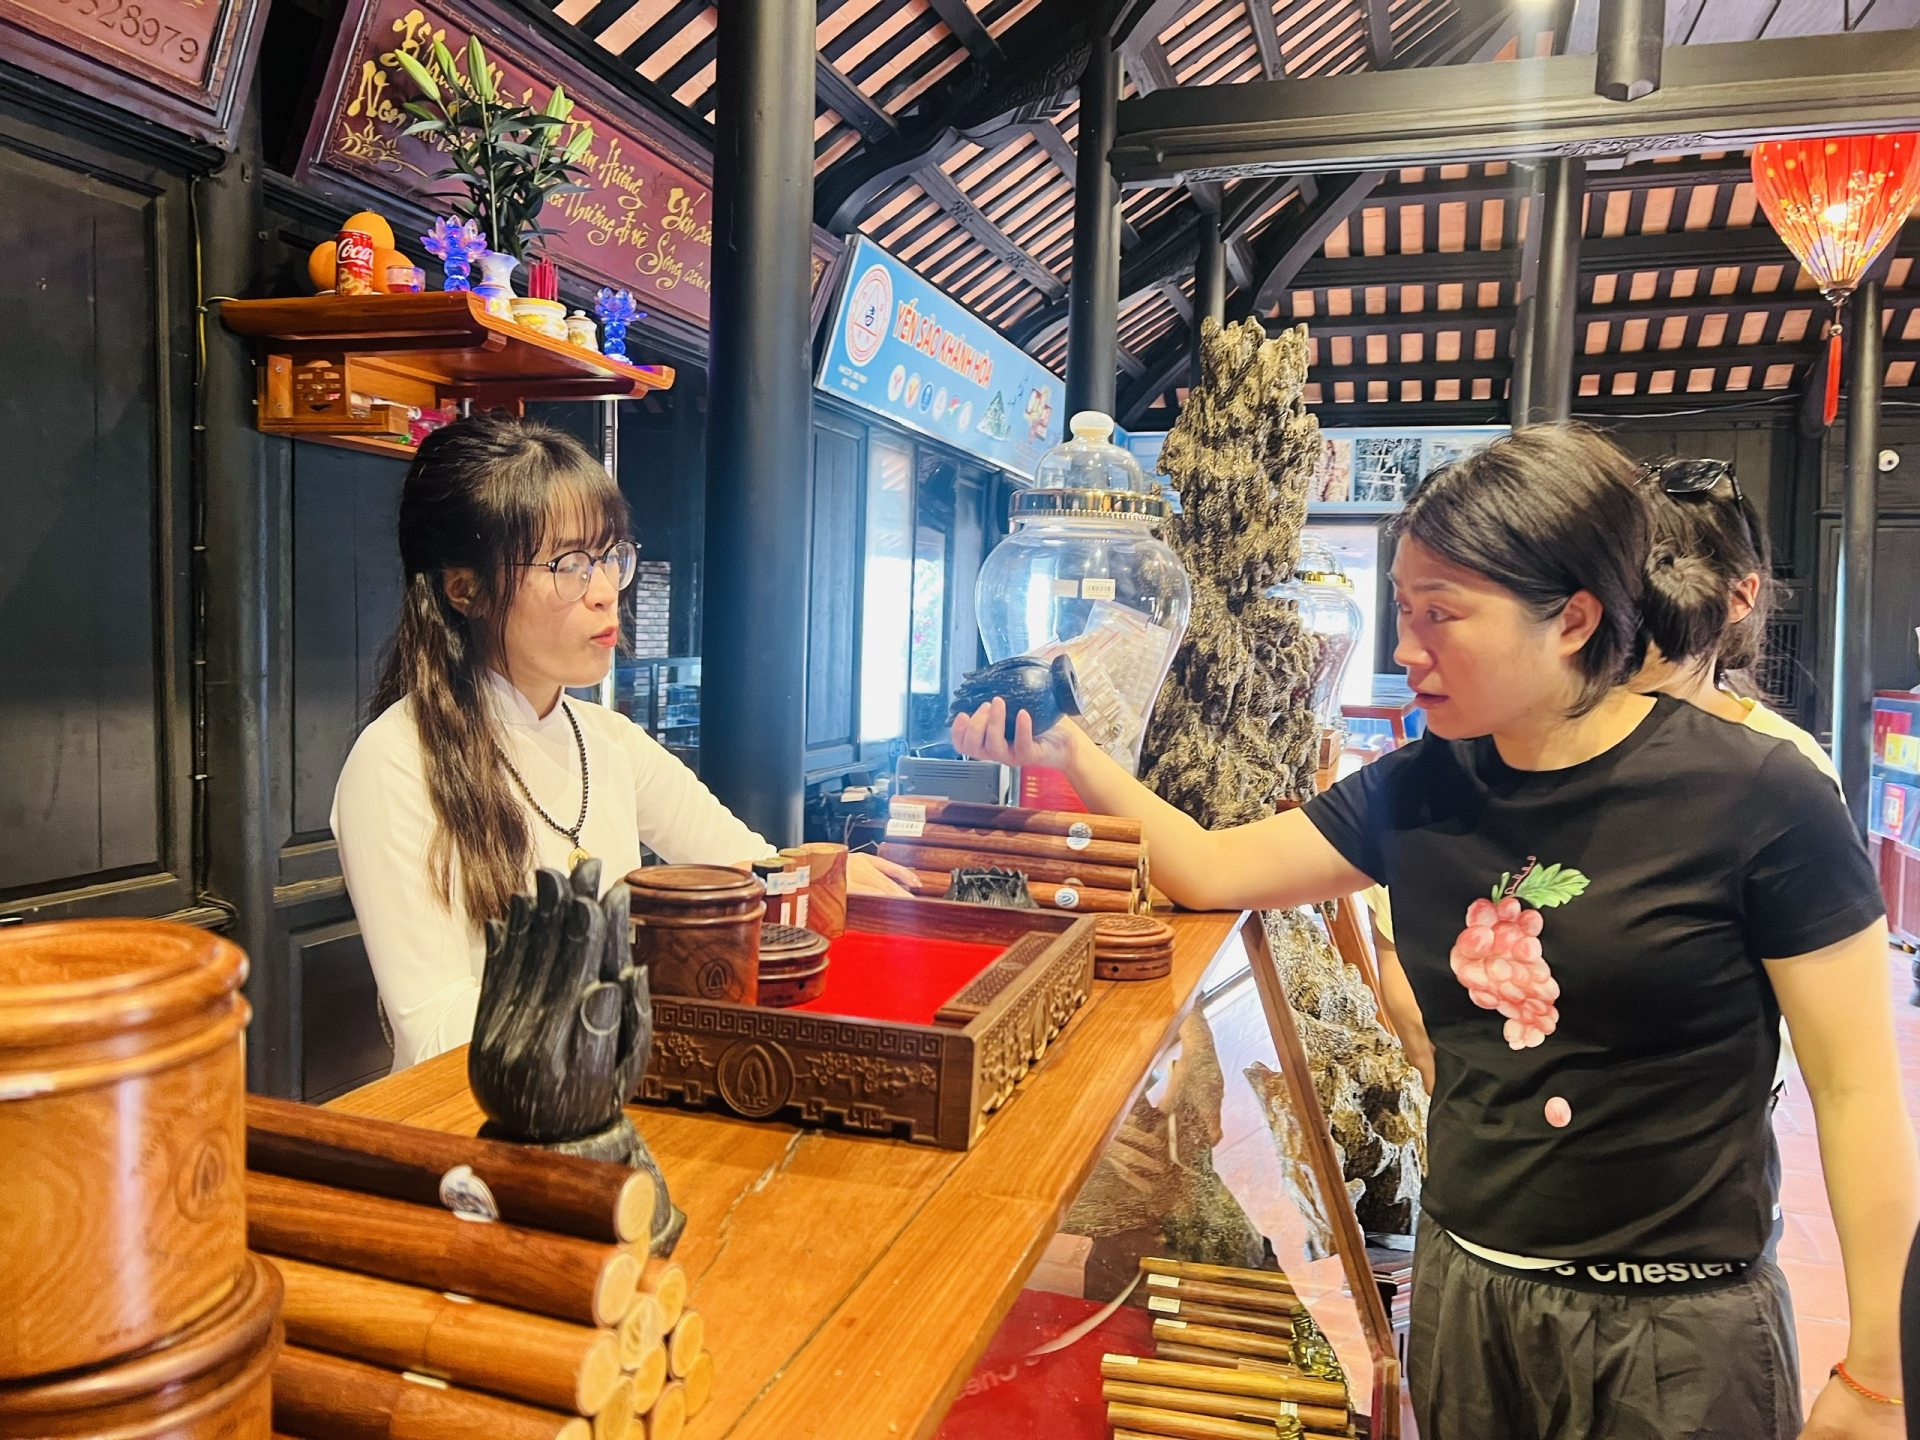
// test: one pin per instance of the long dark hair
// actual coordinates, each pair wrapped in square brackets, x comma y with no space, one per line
[482,495]
[1704,545]
[1547,512]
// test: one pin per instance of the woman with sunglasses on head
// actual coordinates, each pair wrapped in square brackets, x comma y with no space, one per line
[477,769]
[1604,902]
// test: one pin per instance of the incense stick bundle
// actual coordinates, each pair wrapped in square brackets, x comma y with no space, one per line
[643,1328]
[485,1347]
[689,1338]
[615,1421]
[1230,1319]
[917,856]
[324,1397]
[649,1378]
[669,1414]
[1301,1389]
[1117,853]
[1221,1359]
[1226,1407]
[539,1189]
[1034,822]
[1218,1274]
[1234,1342]
[666,1281]
[557,1275]
[1264,1302]
[699,1383]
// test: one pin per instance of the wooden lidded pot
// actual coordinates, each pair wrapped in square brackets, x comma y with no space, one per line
[122,1137]
[212,1381]
[696,930]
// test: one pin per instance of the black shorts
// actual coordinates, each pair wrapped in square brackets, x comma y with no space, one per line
[1496,1355]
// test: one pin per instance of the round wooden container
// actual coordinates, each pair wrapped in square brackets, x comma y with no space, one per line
[122,1137]
[793,965]
[696,929]
[1132,947]
[212,1381]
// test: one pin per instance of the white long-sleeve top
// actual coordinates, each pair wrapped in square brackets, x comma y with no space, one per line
[427,958]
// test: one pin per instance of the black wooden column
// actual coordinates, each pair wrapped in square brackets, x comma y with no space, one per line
[1093,303]
[1557,297]
[1209,281]
[759,416]
[1632,35]
[1859,517]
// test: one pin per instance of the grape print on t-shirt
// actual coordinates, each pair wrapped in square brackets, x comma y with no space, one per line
[1498,957]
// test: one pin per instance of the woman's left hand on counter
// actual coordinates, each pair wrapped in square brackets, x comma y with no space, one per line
[870,875]
[1839,1414]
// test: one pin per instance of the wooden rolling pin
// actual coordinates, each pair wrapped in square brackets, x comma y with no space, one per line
[1234,1297]
[1224,1407]
[916,856]
[934,884]
[1234,1342]
[534,1188]
[1302,1389]
[557,1275]
[666,1281]
[485,1347]
[1217,1274]
[1278,1325]
[699,1383]
[324,1397]
[1034,822]
[669,1414]
[1116,853]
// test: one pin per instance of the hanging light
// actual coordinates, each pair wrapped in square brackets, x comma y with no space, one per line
[1836,202]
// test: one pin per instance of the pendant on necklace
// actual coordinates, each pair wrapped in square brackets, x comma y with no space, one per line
[575,860]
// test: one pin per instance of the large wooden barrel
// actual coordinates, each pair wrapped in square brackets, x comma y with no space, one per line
[211,1381]
[122,1137]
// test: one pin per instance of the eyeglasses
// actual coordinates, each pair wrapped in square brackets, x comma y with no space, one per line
[573,571]
[1695,477]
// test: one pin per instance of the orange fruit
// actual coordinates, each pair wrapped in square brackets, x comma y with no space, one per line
[381,260]
[374,225]
[320,265]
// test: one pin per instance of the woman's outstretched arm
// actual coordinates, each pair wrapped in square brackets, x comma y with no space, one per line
[1270,864]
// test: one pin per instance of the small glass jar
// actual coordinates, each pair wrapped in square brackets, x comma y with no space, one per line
[1332,616]
[1083,574]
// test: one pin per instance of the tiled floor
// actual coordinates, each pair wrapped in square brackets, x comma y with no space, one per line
[1809,1248]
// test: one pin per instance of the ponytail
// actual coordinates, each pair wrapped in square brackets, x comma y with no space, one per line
[479,497]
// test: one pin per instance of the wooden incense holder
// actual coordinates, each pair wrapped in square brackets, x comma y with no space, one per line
[1217,1274]
[1221,1359]
[1301,1390]
[934,884]
[593,1199]
[1034,822]
[1280,1326]
[1234,1342]
[1224,1407]
[325,1397]
[485,1347]
[1234,1297]
[916,856]
[558,1275]
[793,965]
[1118,854]
[696,930]
[1132,947]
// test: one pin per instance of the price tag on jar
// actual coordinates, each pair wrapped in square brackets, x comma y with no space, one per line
[1091,589]
[906,820]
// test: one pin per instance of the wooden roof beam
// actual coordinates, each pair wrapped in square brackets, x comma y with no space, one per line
[1379,17]
[966,28]
[1266,37]
[1298,237]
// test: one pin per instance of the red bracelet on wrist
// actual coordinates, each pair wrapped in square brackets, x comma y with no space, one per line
[1840,1370]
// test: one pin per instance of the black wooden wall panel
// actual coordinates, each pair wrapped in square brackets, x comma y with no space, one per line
[1896,606]
[81,595]
[833,599]
[344,1046]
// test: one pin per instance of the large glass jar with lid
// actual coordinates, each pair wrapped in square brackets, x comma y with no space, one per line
[1084,575]
[1332,616]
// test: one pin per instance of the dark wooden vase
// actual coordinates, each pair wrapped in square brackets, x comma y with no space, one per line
[696,931]
[123,1137]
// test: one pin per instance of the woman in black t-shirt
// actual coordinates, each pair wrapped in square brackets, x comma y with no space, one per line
[1604,903]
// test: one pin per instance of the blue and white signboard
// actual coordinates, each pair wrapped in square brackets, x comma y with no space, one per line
[905,350]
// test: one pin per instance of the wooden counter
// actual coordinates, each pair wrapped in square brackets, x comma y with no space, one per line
[849,1284]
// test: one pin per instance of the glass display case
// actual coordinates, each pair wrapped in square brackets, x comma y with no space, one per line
[1083,575]
[662,696]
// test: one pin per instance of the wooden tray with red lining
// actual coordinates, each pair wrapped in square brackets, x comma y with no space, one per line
[931,1015]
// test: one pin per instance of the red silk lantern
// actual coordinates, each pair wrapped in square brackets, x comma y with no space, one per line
[1836,202]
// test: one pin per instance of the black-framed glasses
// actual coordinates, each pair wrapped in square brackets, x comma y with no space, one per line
[573,571]
[1695,477]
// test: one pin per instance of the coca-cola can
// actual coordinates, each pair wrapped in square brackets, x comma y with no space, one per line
[353,263]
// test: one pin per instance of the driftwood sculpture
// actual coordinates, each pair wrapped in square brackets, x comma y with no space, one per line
[564,1030]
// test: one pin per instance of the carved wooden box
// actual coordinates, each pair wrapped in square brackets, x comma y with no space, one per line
[1003,984]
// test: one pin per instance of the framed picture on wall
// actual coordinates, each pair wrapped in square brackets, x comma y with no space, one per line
[1376,471]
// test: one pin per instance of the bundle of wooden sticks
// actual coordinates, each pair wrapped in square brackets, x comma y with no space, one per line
[1095,863]
[1237,1357]
[437,1283]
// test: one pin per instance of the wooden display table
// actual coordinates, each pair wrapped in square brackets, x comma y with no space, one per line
[849,1284]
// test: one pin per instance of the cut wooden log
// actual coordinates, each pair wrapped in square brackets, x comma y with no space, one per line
[1036,822]
[1234,1342]
[649,1378]
[539,1189]
[688,1341]
[1234,1297]
[1218,1274]
[934,884]
[699,1383]
[1223,1359]
[666,1281]
[1225,1407]
[643,1328]
[326,1397]
[1259,1324]
[669,1414]
[1301,1389]
[558,1275]
[528,1357]
[617,1419]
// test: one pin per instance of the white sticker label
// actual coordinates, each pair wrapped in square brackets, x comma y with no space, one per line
[787,882]
[1164,1282]
[801,907]
[1172,1324]
[899,829]
[1119,1359]
[1079,835]
[1163,1303]
[1067,898]
[467,1195]
[1091,589]
[432,1382]
[1066,589]
[854,793]
[1288,1407]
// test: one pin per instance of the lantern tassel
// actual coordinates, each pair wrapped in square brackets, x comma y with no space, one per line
[1833,374]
